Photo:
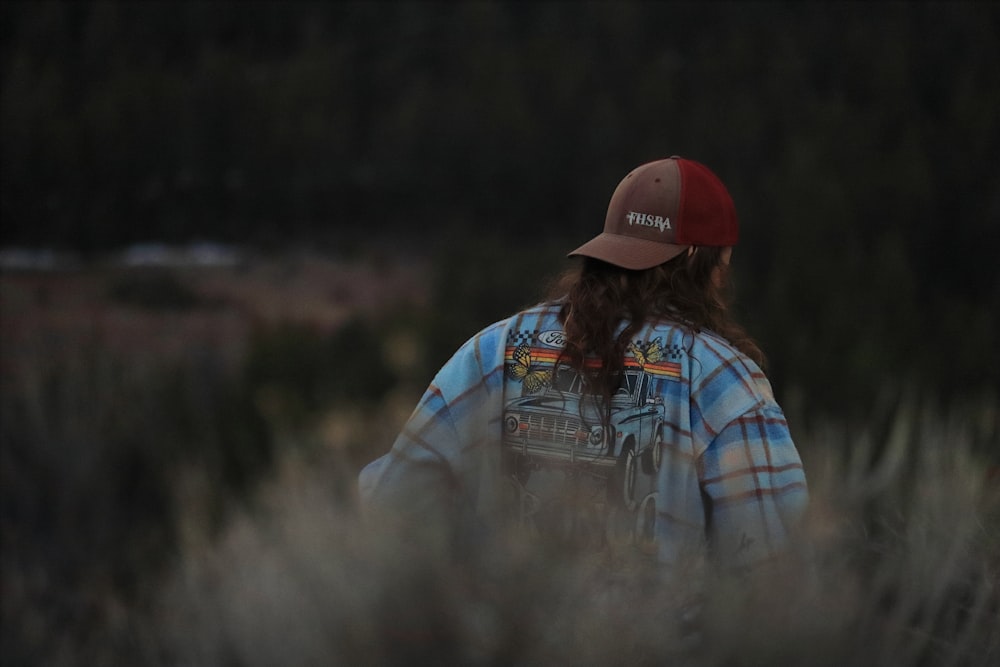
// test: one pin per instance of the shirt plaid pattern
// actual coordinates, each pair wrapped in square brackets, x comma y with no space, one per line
[728,475]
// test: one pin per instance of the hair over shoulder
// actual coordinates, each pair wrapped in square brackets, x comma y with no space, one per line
[596,297]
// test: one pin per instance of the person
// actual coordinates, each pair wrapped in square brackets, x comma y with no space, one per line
[629,408]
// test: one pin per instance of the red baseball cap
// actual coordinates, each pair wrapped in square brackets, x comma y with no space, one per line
[660,210]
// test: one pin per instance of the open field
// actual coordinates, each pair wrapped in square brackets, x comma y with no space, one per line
[162,312]
[178,462]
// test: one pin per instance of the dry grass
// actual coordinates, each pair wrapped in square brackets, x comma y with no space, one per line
[905,570]
[123,544]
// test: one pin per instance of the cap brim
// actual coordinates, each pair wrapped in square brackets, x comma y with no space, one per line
[628,252]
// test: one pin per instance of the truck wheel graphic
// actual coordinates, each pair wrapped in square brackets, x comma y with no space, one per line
[522,467]
[645,525]
[629,470]
[652,455]
[621,485]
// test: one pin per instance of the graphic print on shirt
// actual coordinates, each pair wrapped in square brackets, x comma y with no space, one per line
[648,353]
[573,479]
[534,377]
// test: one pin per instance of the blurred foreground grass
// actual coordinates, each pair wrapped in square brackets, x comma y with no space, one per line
[172,499]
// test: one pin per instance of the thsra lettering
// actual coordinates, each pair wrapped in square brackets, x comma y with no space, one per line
[648,220]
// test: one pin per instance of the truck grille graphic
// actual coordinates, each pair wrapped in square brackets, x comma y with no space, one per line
[547,428]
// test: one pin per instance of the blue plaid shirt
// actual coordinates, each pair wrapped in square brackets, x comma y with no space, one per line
[696,452]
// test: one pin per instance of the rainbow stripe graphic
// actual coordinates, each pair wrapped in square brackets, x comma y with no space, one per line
[548,356]
[659,368]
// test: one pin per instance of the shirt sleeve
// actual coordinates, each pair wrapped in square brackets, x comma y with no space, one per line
[415,476]
[754,488]
[424,485]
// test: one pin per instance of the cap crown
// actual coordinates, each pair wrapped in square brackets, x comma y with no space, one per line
[659,210]
[673,201]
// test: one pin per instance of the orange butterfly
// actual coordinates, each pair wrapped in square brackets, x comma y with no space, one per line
[650,353]
[532,377]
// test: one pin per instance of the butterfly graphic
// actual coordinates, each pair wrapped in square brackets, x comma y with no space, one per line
[650,353]
[532,377]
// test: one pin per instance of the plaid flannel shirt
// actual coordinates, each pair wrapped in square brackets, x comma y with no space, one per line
[719,467]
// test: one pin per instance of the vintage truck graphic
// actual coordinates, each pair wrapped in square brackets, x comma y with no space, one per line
[554,424]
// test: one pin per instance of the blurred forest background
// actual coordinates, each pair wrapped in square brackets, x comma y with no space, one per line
[373,182]
[859,143]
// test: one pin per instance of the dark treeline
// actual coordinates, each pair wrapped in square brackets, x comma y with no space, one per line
[859,140]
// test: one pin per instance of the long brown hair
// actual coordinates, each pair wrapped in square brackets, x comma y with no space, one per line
[597,297]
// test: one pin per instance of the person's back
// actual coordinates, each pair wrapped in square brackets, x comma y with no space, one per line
[628,410]
[693,446]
